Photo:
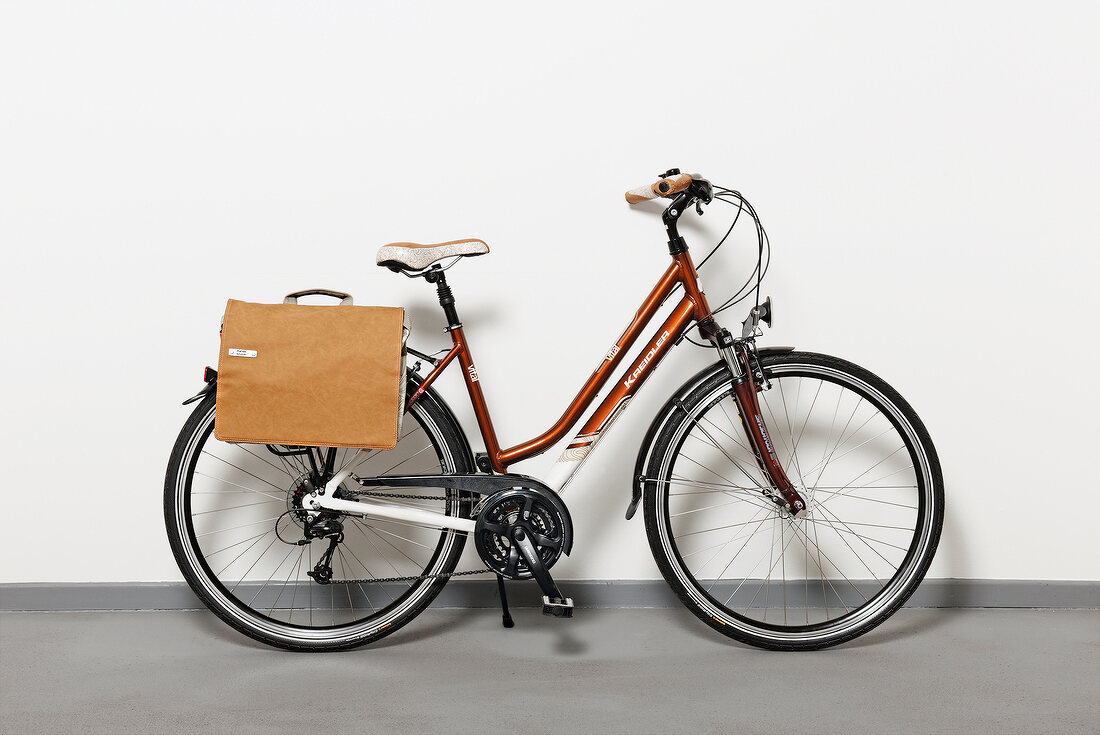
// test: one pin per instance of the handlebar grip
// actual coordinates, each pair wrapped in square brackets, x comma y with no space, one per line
[660,188]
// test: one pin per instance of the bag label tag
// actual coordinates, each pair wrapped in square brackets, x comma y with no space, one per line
[236,352]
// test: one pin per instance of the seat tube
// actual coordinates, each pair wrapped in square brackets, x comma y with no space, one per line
[461,351]
[477,398]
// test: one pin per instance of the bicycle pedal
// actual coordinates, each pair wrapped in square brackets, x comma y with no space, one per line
[558,607]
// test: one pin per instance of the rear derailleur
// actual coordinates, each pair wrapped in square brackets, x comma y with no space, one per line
[322,527]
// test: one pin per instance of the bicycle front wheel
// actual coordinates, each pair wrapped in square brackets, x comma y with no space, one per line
[859,456]
[235,524]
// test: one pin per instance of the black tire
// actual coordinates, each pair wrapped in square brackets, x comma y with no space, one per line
[204,470]
[702,491]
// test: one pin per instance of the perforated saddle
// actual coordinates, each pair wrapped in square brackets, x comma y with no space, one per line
[413,256]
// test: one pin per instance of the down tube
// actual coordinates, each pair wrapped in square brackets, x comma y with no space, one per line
[612,407]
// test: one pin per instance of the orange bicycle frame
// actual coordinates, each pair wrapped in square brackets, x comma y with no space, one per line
[691,308]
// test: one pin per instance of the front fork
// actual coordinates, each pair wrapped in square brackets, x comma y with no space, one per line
[737,358]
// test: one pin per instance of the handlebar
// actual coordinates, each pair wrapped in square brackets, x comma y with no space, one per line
[664,187]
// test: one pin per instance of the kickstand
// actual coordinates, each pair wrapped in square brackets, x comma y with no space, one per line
[506,617]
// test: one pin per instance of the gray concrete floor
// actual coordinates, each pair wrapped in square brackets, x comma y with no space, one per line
[606,671]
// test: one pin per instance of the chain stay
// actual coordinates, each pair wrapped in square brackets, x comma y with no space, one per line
[387,580]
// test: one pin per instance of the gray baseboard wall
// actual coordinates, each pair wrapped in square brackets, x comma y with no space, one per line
[933,593]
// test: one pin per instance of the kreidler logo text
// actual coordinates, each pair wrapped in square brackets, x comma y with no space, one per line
[764,434]
[645,360]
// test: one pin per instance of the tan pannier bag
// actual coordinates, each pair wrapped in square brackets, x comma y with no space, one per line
[328,376]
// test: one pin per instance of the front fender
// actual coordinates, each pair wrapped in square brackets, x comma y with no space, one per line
[638,479]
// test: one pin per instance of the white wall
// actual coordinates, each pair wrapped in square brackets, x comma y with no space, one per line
[928,175]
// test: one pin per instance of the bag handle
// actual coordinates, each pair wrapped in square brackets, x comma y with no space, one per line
[345,299]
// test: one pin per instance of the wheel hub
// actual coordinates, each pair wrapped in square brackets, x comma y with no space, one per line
[299,489]
[807,496]
[302,488]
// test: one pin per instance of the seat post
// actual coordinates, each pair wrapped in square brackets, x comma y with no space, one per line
[446,298]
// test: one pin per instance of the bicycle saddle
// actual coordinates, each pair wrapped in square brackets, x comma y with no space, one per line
[413,256]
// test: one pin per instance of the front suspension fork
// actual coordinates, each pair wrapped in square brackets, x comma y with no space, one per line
[783,493]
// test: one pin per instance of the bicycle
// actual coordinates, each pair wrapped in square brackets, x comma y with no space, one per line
[774,482]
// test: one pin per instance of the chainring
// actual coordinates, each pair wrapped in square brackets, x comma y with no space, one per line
[544,518]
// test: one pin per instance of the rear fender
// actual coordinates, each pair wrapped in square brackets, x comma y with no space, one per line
[210,377]
[465,463]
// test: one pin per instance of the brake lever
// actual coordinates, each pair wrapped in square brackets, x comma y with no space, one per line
[699,207]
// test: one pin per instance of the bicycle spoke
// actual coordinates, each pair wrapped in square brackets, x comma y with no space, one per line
[265,460]
[863,537]
[238,556]
[700,510]
[866,566]
[715,444]
[737,554]
[872,500]
[234,528]
[297,568]
[876,464]
[730,541]
[825,579]
[363,532]
[805,423]
[734,426]
[242,487]
[833,456]
[237,507]
[392,546]
[871,486]
[220,459]
[211,554]
[777,428]
[368,573]
[825,460]
[395,535]
[745,495]
[391,469]
[706,486]
[716,528]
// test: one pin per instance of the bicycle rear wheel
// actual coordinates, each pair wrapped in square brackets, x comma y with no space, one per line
[233,521]
[858,454]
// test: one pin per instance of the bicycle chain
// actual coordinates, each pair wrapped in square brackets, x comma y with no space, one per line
[377,494]
[387,580]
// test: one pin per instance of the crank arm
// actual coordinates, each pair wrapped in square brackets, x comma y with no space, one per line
[534,562]
[553,602]
[379,511]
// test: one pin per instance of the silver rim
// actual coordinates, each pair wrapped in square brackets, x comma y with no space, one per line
[871,507]
[238,493]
